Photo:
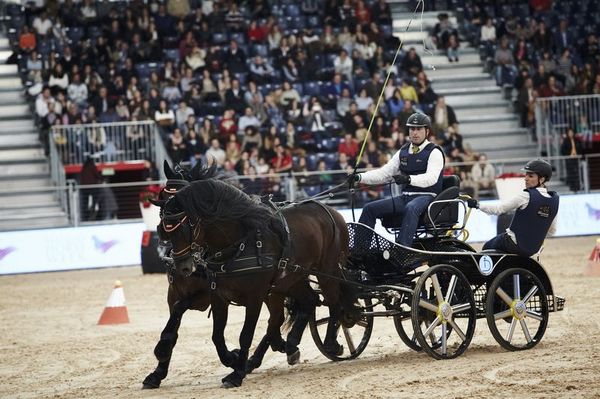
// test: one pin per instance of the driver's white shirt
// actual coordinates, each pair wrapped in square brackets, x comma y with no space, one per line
[385,174]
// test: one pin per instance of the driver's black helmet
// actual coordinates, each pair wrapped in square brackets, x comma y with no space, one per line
[539,167]
[419,120]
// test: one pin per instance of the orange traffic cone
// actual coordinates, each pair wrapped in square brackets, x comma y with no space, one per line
[593,268]
[115,311]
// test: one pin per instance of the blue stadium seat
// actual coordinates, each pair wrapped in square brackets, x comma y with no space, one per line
[292,10]
[143,70]
[299,88]
[220,38]
[311,191]
[314,21]
[298,23]
[329,158]
[311,89]
[239,37]
[44,47]
[172,54]
[311,161]
[260,49]
[75,34]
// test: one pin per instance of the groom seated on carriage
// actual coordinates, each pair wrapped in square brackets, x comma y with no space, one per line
[418,166]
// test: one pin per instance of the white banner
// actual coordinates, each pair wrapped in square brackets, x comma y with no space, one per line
[120,245]
[578,215]
[70,248]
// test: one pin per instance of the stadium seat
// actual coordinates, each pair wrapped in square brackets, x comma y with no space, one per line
[311,89]
[292,10]
[219,38]
[172,54]
[75,34]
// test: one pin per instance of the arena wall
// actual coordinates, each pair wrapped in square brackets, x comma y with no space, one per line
[120,244]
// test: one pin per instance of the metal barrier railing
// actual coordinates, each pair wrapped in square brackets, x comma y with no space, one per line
[108,203]
[555,115]
[106,142]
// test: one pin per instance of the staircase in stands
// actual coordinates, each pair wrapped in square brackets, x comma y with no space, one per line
[24,168]
[487,120]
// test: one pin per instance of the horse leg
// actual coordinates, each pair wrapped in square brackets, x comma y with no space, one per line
[330,343]
[239,369]
[273,336]
[164,347]
[305,302]
[220,310]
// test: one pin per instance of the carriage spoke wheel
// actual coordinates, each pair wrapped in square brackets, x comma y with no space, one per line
[443,312]
[353,339]
[403,324]
[516,309]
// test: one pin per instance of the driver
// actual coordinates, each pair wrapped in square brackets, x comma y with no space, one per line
[535,215]
[418,165]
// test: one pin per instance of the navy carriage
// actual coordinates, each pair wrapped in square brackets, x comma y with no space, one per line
[438,288]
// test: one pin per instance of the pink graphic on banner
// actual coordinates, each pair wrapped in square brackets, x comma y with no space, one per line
[103,246]
[5,251]
[593,212]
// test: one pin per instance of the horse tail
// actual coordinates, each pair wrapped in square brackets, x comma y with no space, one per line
[291,314]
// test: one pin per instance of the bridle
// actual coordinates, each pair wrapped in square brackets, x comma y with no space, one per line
[171,223]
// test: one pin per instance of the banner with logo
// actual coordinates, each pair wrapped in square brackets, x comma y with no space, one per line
[70,248]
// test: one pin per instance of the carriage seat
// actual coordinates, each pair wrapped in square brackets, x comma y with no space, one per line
[444,214]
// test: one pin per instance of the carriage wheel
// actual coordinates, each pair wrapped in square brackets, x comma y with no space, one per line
[353,339]
[403,324]
[443,312]
[515,301]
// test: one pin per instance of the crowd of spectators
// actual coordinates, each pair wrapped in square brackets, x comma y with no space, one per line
[541,48]
[261,87]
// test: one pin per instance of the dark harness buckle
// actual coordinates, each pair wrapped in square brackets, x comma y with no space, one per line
[282,264]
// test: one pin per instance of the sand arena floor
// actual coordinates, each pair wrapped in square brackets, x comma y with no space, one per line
[50,346]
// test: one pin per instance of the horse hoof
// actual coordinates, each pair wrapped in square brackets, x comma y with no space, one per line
[151,382]
[232,380]
[294,358]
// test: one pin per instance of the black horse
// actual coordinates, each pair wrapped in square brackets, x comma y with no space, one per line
[184,292]
[251,253]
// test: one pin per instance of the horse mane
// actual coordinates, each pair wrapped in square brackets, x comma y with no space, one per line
[215,201]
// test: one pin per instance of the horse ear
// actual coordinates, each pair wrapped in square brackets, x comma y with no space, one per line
[168,171]
[159,203]
[195,172]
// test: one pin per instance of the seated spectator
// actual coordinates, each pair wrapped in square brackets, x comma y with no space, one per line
[521,53]
[342,105]
[227,126]
[196,59]
[443,116]
[343,163]
[452,48]
[282,162]
[121,109]
[551,89]
[77,91]
[233,148]
[487,36]
[290,70]
[334,90]
[42,102]
[424,90]
[452,140]
[27,41]
[208,91]
[261,71]
[411,63]
[329,40]
[348,145]
[256,33]
[395,104]
[408,92]
[483,174]
[177,147]
[195,146]
[246,120]
[273,112]
[234,97]
[252,139]
[524,99]
[542,39]
[42,24]
[164,117]
[252,93]
[505,63]
[215,152]
[405,113]
[288,95]
[235,58]
[234,19]
[363,101]
[171,92]
[183,113]
[343,65]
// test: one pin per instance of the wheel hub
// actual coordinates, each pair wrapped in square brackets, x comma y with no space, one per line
[518,309]
[445,311]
